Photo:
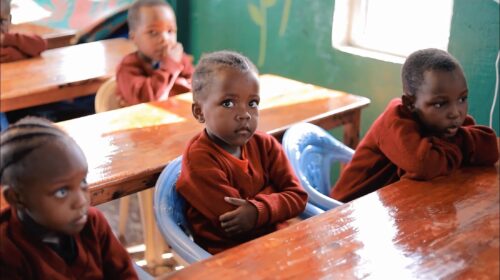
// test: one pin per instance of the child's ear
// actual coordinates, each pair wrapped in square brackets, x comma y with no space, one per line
[13,197]
[197,112]
[408,101]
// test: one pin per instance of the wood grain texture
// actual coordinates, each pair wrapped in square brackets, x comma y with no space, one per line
[127,148]
[447,228]
[56,37]
[60,74]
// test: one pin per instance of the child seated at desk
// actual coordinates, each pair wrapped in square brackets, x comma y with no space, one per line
[237,182]
[49,231]
[16,46]
[159,68]
[424,134]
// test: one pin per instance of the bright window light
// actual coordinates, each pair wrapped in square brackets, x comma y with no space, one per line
[391,28]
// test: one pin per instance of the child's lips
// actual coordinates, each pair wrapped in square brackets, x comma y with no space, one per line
[81,220]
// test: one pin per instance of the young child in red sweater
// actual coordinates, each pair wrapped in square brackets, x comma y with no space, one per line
[425,134]
[15,46]
[237,182]
[159,68]
[49,231]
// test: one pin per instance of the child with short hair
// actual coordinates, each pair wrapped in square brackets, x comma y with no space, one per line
[159,68]
[16,46]
[237,181]
[424,134]
[49,230]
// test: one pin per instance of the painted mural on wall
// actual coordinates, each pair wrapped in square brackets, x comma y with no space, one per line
[259,17]
[73,14]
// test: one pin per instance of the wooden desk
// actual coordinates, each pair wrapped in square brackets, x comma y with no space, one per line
[55,37]
[127,148]
[447,228]
[60,74]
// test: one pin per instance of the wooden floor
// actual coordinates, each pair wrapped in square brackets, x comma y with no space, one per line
[133,239]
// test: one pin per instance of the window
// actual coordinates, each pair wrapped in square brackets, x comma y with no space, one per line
[391,29]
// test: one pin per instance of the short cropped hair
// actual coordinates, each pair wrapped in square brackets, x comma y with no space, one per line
[210,63]
[133,16]
[412,73]
[21,139]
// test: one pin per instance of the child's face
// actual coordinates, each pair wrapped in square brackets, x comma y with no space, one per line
[156,32]
[230,108]
[53,191]
[441,102]
[5,17]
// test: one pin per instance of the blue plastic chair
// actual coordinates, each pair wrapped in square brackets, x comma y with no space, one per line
[170,208]
[141,274]
[4,123]
[312,151]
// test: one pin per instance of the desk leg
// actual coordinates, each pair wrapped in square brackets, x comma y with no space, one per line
[153,240]
[351,130]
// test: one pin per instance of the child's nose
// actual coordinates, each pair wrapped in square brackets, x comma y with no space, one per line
[166,37]
[81,199]
[243,115]
[454,112]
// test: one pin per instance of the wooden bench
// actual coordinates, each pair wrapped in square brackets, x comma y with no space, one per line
[447,228]
[60,74]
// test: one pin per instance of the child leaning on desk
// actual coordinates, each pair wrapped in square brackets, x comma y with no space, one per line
[424,134]
[16,46]
[237,181]
[49,231]
[159,68]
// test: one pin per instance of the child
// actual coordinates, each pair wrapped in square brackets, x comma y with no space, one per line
[425,134]
[49,231]
[237,182]
[159,68]
[15,46]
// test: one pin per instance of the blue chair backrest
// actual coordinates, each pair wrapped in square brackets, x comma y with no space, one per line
[312,151]
[169,208]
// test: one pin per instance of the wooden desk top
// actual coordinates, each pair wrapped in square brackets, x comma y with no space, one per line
[55,37]
[60,74]
[447,228]
[127,148]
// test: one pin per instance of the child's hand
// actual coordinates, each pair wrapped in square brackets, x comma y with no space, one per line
[240,220]
[175,52]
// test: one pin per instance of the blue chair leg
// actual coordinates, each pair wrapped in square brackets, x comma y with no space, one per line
[4,123]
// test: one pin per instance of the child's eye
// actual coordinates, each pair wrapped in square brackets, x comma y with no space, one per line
[438,105]
[153,32]
[84,184]
[227,103]
[61,193]
[254,104]
[462,99]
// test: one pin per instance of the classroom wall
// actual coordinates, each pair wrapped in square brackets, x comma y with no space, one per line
[292,38]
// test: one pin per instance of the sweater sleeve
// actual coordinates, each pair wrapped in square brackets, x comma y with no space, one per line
[29,45]
[479,144]
[289,199]
[206,187]
[9,54]
[137,87]
[421,157]
[116,261]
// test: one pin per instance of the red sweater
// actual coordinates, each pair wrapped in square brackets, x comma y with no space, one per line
[138,82]
[17,46]
[397,146]
[25,256]
[263,176]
